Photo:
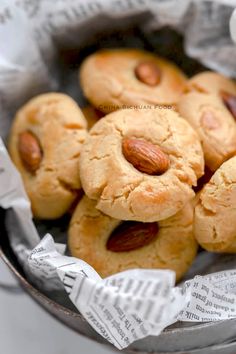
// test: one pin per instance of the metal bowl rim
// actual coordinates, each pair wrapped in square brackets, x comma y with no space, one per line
[69,312]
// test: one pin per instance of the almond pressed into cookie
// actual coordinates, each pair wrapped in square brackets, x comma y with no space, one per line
[45,144]
[141,164]
[113,79]
[101,241]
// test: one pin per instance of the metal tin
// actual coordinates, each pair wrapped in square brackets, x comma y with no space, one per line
[173,340]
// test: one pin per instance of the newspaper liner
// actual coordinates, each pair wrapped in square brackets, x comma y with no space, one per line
[126,306]
[136,303]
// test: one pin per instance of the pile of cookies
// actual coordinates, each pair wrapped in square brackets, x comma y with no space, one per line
[147,169]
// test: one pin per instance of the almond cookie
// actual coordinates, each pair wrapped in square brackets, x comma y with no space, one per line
[214,124]
[211,82]
[111,246]
[120,78]
[141,164]
[214,83]
[215,213]
[45,144]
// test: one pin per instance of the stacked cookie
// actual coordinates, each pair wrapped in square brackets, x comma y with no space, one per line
[137,168]
[151,134]
[210,107]
[45,144]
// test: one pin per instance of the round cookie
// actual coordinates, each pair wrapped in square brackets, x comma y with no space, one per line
[211,82]
[121,186]
[172,246]
[45,143]
[92,115]
[214,124]
[215,213]
[120,78]
[217,84]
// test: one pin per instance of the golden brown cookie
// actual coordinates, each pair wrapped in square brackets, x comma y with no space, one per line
[111,246]
[215,213]
[213,123]
[141,164]
[45,143]
[92,115]
[116,78]
[210,82]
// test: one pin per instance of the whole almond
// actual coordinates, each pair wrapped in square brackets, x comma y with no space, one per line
[145,156]
[209,120]
[131,235]
[148,73]
[30,151]
[230,102]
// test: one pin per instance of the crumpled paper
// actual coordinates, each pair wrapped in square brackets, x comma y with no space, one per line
[126,306]
[136,303]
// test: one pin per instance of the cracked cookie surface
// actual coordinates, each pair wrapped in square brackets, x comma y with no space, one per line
[108,80]
[213,123]
[173,248]
[59,126]
[122,191]
[215,213]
